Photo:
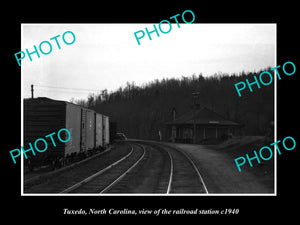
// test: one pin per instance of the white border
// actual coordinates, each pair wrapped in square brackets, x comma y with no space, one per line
[22,120]
[106,195]
[275,115]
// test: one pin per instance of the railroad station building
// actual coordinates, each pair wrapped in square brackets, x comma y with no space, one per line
[207,125]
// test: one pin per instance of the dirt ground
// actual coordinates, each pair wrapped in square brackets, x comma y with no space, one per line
[220,174]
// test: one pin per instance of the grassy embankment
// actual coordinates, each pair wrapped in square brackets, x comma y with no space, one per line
[240,146]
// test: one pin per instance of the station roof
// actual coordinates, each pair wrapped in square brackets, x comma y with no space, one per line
[203,116]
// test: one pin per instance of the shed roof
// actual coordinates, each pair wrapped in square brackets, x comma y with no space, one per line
[203,116]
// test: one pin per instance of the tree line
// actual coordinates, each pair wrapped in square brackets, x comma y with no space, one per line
[141,111]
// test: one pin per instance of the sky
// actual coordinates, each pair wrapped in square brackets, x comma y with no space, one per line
[106,56]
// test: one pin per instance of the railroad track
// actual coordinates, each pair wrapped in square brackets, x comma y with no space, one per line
[103,180]
[134,167]
[147,168]
[184,176]
[58,181]
[151,175]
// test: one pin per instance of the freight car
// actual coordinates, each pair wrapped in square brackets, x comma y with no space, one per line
[89,130]
[112,131]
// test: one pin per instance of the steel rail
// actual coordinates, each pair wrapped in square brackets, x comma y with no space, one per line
[195,167]
[171,174]
[127,171]
[77,185]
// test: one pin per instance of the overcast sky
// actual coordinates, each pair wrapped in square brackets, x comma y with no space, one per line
[106,56]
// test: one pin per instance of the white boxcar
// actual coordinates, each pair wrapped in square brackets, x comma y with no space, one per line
[105,120]
[98,131]
[90,129]
[73,118]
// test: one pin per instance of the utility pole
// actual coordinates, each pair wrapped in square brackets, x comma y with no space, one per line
[195,97]
[32,91]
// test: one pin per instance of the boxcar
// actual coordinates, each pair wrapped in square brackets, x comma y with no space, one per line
[42,116]
[72,123]
[112,131]
[99,131]
[105,126]
[88,129]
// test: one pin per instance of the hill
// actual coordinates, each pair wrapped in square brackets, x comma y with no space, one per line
[141,111]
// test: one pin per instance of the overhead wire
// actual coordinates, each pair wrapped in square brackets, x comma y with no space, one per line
[65,88]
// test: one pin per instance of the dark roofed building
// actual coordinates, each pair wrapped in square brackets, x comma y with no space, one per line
[209,126]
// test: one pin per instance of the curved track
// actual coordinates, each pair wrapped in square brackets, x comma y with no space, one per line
[137,167]
[103,180]
[151,175]
[184,175]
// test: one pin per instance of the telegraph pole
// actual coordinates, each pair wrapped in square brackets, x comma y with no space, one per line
[195,97]
[32,91]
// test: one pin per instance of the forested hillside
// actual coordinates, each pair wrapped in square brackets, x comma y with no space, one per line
[141,111]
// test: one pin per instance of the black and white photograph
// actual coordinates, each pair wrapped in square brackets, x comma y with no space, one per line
[139,111]
[166,115]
